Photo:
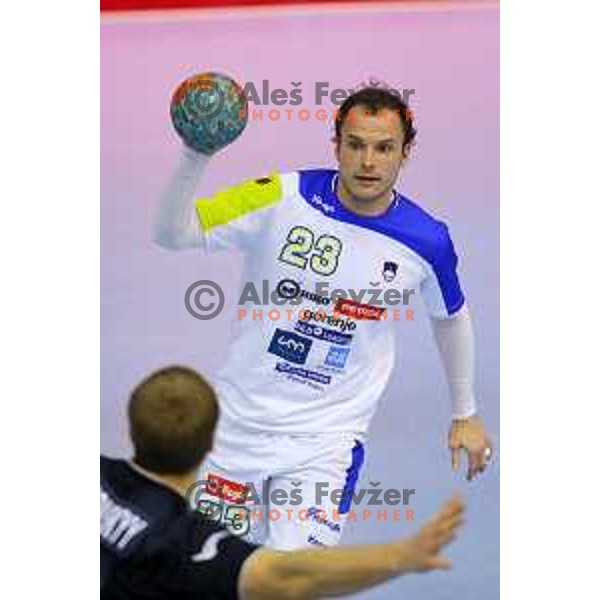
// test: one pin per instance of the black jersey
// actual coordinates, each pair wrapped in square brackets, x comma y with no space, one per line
[152,546]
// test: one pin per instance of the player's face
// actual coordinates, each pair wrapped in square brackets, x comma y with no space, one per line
[370,154]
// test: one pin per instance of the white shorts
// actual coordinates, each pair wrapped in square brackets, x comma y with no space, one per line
[284,491]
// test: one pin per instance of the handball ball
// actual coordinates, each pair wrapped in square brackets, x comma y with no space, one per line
[209,111]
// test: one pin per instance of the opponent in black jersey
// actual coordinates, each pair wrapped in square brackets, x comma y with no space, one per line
[154,547]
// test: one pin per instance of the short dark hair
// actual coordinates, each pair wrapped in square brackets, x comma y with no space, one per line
[376,99]
[172,417]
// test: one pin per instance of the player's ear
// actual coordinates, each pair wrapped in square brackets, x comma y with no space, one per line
[407,151]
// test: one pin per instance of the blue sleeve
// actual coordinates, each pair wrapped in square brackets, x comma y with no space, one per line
[441,289]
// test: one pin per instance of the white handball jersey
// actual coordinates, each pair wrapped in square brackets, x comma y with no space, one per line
[317,356]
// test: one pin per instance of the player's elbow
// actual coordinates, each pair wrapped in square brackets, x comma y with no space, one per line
[271,576]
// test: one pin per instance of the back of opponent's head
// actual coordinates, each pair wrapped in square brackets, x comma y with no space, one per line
[172,417]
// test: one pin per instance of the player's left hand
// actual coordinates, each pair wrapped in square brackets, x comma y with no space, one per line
[469,434]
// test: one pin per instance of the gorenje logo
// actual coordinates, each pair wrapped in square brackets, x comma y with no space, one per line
[320,316]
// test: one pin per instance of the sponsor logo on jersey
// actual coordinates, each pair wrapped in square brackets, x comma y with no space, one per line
[290,345]
[355,310]
[318,201]
[304,373]
[336,357]
[290,289]
[320,516]
[323,333]
[321,316]
[389,270]
[231,491]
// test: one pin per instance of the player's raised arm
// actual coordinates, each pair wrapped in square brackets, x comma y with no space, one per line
[208,111]
[233,218]
[176,223]
[327,572]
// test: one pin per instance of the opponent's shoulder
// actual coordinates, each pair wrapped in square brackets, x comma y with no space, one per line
[112,467]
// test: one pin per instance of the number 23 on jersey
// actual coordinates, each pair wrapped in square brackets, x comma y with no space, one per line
[301,250]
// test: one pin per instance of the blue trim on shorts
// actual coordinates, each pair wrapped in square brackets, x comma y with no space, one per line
[358,458]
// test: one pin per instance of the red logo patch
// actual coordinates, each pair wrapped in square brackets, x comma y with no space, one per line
[361,312]
[230,491]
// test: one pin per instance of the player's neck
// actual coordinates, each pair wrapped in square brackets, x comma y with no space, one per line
[373,208]
[180,484]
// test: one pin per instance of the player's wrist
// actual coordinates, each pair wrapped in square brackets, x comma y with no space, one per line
[401,557]
[465,417]
[193,155]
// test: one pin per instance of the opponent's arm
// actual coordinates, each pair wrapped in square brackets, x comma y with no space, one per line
[176,224]
[327,572]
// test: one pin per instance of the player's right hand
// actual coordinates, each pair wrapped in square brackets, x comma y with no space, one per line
[421,552]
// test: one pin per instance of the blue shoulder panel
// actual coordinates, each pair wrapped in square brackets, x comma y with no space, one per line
[404,221]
